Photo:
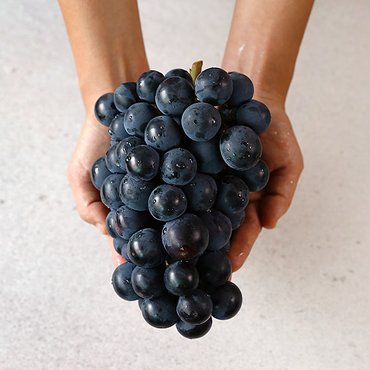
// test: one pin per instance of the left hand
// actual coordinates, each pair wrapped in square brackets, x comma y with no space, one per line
[283,156]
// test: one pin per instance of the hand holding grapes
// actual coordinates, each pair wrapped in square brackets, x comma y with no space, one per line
[284,159]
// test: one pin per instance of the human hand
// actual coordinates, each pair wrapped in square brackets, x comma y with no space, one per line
[92,144]
[283,156]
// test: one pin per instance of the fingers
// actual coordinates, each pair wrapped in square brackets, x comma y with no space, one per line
[244,238]
[278,194]
[117,258]
[89,205]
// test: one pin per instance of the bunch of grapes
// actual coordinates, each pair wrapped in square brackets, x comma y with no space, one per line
[185,154]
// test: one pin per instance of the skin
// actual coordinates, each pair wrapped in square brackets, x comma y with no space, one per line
[263,43]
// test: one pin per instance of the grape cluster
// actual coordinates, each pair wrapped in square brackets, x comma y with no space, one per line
[184,156]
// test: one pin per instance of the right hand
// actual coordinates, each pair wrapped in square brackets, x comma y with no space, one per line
[93,142]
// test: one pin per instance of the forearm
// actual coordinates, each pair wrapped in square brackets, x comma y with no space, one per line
[107,44]
[264,41]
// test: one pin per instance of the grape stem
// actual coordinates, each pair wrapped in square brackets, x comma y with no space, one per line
[195,69]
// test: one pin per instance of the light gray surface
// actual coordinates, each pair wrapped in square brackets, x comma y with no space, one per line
[306,284]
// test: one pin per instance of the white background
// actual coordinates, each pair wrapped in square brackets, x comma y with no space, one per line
[305,285]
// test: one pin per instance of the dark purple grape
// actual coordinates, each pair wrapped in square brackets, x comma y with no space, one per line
[125,95]
[111,160]
[236,218]
[257,176]
[240,147]
[124,147]
[255,115]
[145,248]
[117,129]
[194,331]
[109,191]
[162,133]
[201,193]
[181,278]
[148,282]
[137,117]
[214,268]
[179,167]
[233,194]
[185,238]
[213,86]
[243,89]
[227,301]
[99,172]
[113,227]
[208,156]
[160,312]
[201,121]
[178,72]
[105,110]
[121,280]
[147,85]
[167,202]
[174,95]
[219,227]
[142,162]
[135,192]
[194,308]
[130,221]
[118,244]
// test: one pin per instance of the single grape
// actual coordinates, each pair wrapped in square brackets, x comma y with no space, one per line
[124,147]
[219,227]
[145,248]
[137,117]
[118,244]
[142,162]
[236,218]
[193,331]
[111,223]
[162,133]
[148,282]
[167,202]
[109,191]
[111,160]
[233,194]
[135,192]
[255,115]
[181,278]
[227,301]
[208,156]
[160,312]
[147,85]
[105,110]
[185,237]
[121,280]
[125,95]
[214,268]
[130,221]
[214,86]
[99,172]
[257,176]
[174,95]
[201,193]
[117,129]
[201,121]
[243,89]
[240,147]
[179,167]
[194,308]
[178,72]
